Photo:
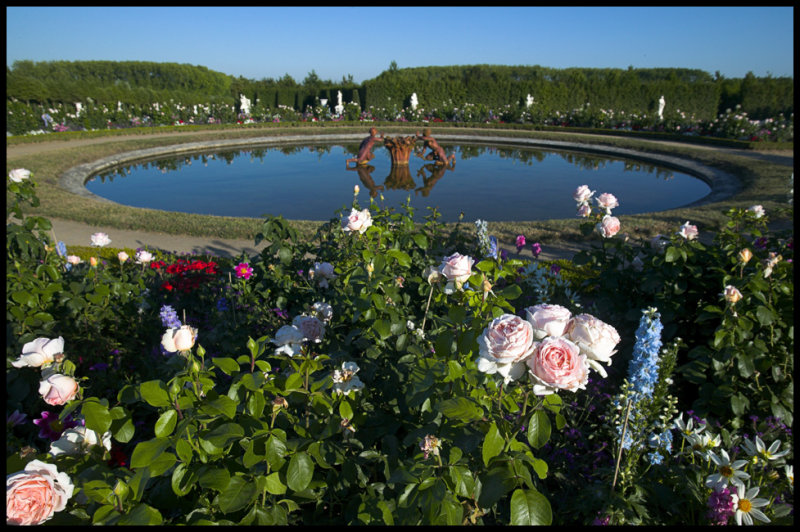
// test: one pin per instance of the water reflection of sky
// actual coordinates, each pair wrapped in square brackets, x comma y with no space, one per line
[311,183]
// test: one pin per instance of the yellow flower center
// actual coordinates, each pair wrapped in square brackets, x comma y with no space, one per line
[726,471]
[744,505]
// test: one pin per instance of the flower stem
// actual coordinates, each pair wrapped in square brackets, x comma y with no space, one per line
[621,442]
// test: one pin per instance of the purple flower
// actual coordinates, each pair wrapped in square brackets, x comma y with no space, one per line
[520,242]
[536,248]
[760,243]
[555,268]
[720,504]
[50,428]
[98,366]
[17,418]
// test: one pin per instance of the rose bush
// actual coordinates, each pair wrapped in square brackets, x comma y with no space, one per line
[347,381]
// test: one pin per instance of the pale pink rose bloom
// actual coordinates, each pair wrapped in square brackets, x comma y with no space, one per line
[557,364]
[548,320]
[122,256]
[58,389]
[504,346]
[77,440]
[457,267]
[608,226]
[39,352]
[582,194]
[607,201]
[732,294]
[758,210]
[143,257]
[73,259]
[100,239]
[584,210]
[179,338]
[689,232]
[36,493]
[357,221]
[595,338]
[312,328]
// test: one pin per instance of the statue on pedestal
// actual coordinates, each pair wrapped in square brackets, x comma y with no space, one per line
[244,104]
[437,154]
[661,104]
[365,154]
[529,101]
[339,107]
[414,101]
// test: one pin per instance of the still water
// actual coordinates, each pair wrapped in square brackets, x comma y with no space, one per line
[311,183]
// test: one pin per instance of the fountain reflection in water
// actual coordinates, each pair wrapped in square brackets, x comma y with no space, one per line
[307,182]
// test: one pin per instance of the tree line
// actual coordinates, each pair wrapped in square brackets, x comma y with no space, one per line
[695,92]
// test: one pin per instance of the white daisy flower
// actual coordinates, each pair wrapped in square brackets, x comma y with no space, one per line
[727,472]
[759,450]
[747,506]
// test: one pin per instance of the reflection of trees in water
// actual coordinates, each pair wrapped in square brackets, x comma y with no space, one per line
[526,156]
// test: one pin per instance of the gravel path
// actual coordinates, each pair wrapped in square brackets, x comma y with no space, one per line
[76,233]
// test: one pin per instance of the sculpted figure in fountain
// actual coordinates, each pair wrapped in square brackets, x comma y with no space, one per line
[437,153]
[661,104]
[365,154]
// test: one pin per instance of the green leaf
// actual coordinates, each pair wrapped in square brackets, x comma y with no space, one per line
[765,316]
[221,404]
[401,257]
[141,514]
[294,382]
[166,423]
[237,495]
[512,291]
[274,484]
[345,410]
[183,478]
[538,429]
[300,472]
[485,265]
[529,507]
[461,408]
[215,479]
[493,444]
[226,364]
[97,416]
[672,254]
[155,393]
[147,451]
[383,328]
[275,450]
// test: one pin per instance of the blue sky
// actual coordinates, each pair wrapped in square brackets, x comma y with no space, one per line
[269,42]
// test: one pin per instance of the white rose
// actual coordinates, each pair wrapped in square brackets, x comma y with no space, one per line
[289,340]
[143,257]
[323,310]
[457,267]
[357,221]
[75,440]
[100,239]
[39,352]
[179,338]
[582,194]
[687,231]
[758,210]
[18,175]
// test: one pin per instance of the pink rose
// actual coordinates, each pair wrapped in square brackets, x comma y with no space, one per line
[584,210]
[596,339]
[557,364]
[689,232]
[36,493]
[504,345]
[57,389]
[357,221]
[457,267]
[582,194]
[312,328]
[39,352]
[607,201]
[548,320]
[757,210]
[609,226]
[73,259]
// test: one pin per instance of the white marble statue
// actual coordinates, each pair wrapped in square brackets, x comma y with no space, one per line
[119,105]
[661,104]
[414,101]
[339,107]
[245,104]
[78,108]
[529,101]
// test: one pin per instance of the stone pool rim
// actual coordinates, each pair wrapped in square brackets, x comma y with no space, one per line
[723,185]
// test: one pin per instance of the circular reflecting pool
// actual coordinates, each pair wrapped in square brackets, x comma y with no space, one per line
[310,182]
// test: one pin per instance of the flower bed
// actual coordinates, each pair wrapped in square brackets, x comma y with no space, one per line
[384,373]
